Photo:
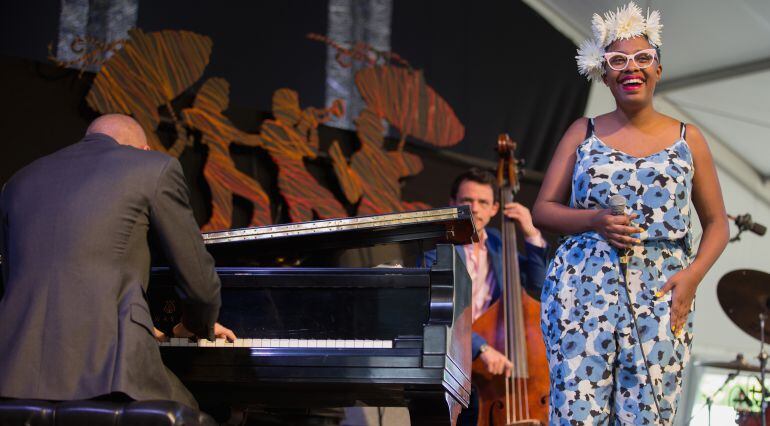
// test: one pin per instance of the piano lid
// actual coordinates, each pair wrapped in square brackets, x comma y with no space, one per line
[448,225]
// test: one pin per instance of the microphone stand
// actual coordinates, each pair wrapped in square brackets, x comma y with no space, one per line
[710,399]
[762,365]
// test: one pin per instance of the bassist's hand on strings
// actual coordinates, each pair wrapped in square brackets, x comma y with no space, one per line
[496,362]
[523,219]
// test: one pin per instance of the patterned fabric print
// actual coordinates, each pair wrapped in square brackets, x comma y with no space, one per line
[599,374]
[656,187]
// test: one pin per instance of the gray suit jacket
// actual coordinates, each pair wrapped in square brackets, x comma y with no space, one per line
[75,322]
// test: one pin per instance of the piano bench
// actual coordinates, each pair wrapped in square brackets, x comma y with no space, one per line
[32,412]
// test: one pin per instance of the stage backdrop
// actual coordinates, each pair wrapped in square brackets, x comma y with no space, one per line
[500,66]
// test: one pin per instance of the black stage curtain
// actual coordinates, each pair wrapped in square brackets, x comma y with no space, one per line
[259,46]
[501,66]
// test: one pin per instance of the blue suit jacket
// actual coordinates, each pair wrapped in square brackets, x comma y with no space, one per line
[531,266]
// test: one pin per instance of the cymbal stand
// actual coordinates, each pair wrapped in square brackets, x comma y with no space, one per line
[762,364]
[710,399]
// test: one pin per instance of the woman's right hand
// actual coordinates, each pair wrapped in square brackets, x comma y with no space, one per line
[618,230]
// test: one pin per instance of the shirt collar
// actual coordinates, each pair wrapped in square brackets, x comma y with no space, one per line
[101,137]
[482,237]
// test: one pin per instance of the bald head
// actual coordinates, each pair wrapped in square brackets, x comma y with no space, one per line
[124,129]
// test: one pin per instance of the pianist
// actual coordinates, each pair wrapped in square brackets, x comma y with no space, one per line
[76,262]
[477,188]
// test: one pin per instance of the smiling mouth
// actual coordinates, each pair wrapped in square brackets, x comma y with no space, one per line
[631,84]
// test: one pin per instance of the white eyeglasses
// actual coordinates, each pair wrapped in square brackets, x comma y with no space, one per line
[619,61]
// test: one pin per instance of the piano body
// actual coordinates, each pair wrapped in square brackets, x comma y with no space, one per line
[329,335]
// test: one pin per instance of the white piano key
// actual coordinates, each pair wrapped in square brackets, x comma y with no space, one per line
[279,343]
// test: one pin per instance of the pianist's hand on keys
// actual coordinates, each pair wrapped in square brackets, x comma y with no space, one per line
[159,335]
[220,331]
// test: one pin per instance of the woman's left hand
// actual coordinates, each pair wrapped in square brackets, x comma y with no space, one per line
[682,286]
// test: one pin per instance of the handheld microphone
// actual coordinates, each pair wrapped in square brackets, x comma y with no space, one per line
[617,204]
[618,207]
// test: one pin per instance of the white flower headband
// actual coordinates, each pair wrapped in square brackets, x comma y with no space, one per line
[625,23]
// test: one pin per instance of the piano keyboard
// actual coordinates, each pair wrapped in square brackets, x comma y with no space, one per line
[279,343]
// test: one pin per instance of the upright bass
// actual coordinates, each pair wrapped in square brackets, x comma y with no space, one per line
[511,325]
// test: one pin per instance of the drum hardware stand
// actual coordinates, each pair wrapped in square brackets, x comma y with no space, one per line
[734,289]
[710,399]
[762,364]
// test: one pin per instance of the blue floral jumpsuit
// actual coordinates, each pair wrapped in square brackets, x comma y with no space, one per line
[612,355]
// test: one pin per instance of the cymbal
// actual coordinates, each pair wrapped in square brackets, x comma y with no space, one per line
[738,364]
[743,295]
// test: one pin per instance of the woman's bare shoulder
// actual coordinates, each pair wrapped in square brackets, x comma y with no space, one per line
[575,134]
[695,139]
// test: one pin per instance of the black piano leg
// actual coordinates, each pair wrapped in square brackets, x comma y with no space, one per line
[434,411]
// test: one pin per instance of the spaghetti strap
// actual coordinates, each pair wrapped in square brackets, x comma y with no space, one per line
[682,130]
[590,128]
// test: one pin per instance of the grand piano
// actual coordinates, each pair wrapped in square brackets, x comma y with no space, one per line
[325,317]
